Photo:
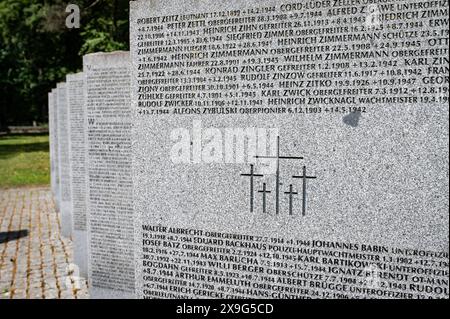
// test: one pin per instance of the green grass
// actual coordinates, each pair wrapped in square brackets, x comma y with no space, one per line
[24,160]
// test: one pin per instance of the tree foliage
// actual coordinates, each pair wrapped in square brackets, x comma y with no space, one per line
[37,50]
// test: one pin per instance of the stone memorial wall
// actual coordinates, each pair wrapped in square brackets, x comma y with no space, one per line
[55,147]
[52,136]
[109,185]
[65,200]
[290,149]
[75,102]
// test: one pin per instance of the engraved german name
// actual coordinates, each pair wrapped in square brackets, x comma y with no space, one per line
[290,149]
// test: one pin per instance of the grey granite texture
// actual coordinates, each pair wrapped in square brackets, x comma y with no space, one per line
[55,149]
[64,161]
[381,176]
[109,188]
[75,101]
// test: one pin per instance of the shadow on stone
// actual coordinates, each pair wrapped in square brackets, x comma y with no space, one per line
[352,119]
[12,235]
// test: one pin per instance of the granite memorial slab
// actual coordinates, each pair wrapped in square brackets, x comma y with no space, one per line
[109,185]
[65,200]
[55,149]
[75,102]
[290,150]
[51,132]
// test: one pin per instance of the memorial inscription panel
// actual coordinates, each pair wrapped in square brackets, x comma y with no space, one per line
[109,185]
[290,149]
[75,101]
[51,132]
[55,148]
[64,161]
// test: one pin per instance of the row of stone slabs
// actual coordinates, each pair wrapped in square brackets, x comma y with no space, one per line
[90,136]
[89,118]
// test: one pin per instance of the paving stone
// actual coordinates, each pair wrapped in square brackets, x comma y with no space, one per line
[51,294]
[34,266]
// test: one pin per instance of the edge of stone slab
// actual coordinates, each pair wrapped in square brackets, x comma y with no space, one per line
[107,54]
[105,58]
[74,77]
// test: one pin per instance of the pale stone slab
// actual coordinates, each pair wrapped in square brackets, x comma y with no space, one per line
[55,149]
[75,101]
[64,161]
[109,186]
[52,136]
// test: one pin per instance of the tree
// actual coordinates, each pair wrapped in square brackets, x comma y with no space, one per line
[37,50]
